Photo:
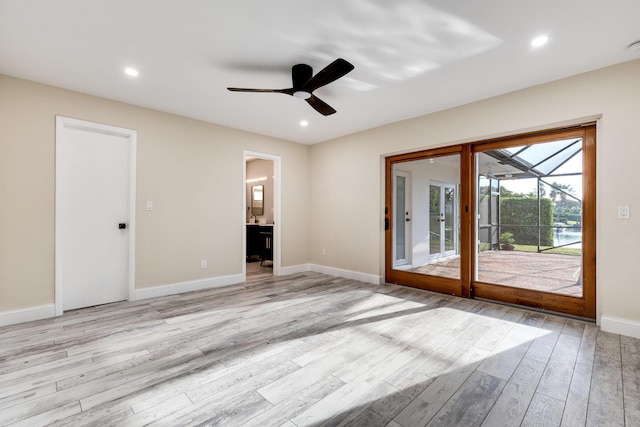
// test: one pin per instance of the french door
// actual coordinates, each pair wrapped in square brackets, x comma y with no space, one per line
[510,220]
[443,217]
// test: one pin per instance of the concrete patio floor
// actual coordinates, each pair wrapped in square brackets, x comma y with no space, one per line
[530,270]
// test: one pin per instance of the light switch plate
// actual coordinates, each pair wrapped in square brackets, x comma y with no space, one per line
[149,205]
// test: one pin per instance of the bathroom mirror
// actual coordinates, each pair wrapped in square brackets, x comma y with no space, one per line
[257,200]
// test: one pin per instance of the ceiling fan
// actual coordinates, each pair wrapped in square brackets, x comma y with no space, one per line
[304,83]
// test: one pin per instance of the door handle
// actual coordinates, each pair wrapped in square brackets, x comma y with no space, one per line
[407,219]
[122,226]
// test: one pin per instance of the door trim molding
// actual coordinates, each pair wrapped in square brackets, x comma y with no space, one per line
[277,203]
[63,123]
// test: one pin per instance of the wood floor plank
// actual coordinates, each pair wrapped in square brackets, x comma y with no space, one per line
[471,403]
[606,399]
[631,379]
[586,354]
[52,415]
[556,380]
[313,349]
[543,345]
[543,411]
[422,409]
[382,410]
[566,349]
[347,397]
[24,396]
[307,375]
[511,406]
[287,409]
[506,357]
[575,410]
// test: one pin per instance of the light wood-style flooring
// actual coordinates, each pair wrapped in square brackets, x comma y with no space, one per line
[311,350]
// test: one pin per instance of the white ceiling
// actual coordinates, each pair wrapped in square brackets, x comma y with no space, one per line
[411,57]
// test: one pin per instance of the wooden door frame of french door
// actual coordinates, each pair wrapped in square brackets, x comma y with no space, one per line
[467,286]
[585,306]
[458,287]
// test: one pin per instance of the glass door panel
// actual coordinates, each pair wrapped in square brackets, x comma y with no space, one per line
[450,220]
[435,221]
[401,214]
[537,214]
[535,223]
[425,217]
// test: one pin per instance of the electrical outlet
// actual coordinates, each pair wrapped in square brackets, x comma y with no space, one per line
[203,263]
[623,212]
[324,251]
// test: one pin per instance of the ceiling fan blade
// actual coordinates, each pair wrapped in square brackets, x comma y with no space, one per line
[328,74]
[320,106]
[289,91]
[300,74]
[240,89]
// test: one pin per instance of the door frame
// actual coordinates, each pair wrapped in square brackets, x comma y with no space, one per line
[584,307]
[445,285]
[62,124]
[277,204]
[468,287]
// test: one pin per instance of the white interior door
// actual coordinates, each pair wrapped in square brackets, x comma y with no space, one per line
[93,208]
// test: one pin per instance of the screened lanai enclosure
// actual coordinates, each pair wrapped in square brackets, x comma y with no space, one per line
[528,216]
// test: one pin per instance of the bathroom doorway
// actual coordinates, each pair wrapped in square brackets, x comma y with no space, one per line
[261,214]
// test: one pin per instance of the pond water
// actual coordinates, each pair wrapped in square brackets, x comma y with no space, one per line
[564,236]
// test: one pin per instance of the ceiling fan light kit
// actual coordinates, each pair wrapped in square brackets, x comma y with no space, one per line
[304,83]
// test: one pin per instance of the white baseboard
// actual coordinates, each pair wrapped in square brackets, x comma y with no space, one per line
[194,285]
[620,326]
[27,314]
[316,268]
[348,274]
[295,269]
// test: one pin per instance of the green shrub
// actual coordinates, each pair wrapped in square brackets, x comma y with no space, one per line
[519,216]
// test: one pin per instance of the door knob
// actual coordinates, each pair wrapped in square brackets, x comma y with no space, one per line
[122,226]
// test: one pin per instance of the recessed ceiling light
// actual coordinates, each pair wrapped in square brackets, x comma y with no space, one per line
[131,72]
[304,123]
[539,41]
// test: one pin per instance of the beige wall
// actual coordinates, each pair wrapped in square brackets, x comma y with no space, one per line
[347,174]
[190,169]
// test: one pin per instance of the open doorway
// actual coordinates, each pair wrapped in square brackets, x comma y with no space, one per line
[260,214]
